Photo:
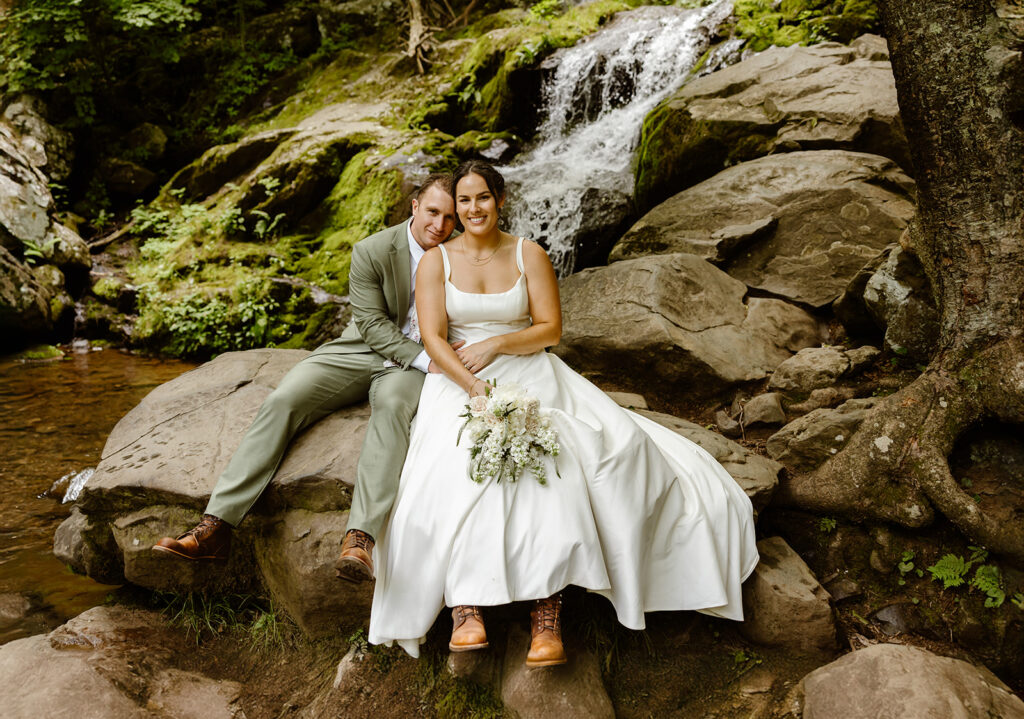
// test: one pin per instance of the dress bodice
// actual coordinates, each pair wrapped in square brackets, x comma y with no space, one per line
[475,316]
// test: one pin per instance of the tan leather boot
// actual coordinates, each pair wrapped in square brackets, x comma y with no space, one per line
[356,561]
[546,648]
[468,631]
[210,539]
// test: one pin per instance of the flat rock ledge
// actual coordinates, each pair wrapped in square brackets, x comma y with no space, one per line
[163,458]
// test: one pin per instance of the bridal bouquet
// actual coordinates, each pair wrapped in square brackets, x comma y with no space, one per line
[509,434]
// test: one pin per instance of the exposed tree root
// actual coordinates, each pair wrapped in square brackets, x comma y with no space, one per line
[896,467]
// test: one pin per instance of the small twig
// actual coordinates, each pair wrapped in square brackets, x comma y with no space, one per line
[112,237]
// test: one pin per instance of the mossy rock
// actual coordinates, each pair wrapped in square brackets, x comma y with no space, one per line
[40,352]
[828,96]
[764,23]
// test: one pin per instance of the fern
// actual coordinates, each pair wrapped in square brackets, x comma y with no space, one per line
[989,581]
[950,570]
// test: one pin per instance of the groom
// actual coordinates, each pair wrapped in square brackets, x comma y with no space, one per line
[377,356]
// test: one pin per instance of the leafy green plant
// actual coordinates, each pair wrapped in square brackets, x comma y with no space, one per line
[988,579]
[1018,600]
[950,570]
[265,226]
[826,525]
[906,566]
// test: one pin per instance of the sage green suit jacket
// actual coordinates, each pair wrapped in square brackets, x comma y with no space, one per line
[379,287]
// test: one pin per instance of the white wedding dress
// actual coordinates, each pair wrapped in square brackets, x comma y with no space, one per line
[636,512]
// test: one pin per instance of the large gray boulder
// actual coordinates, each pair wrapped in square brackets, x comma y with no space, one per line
[894,680]
[798,225]
[675,325]
[784,605]
[826,96]
[109,662]
[160,464]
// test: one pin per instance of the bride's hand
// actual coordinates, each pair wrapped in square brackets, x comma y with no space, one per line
[477,356]
[479,388]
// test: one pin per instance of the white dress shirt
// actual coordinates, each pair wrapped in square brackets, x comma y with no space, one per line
[411,327]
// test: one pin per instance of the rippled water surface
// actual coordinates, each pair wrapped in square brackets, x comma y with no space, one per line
[54,419]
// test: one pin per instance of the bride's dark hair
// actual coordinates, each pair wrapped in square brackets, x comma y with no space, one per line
[495,182]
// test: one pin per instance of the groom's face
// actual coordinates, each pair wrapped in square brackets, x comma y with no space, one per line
[433,217]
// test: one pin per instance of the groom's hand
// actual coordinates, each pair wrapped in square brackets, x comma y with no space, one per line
[433,368]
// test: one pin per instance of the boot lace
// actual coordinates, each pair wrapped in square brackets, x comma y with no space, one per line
[207,526]
[548,612]
[360,540]
[464,612]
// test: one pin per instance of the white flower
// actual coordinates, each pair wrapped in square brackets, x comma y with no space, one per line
[508,434]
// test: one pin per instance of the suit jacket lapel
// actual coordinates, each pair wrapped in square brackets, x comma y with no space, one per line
[400,272]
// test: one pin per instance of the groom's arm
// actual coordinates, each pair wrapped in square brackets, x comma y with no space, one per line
[370,312]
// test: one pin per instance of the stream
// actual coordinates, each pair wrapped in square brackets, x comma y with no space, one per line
[54,418]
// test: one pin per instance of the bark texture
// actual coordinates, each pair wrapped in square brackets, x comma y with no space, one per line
[960,83]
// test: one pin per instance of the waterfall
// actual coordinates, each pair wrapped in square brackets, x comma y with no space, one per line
[576,183]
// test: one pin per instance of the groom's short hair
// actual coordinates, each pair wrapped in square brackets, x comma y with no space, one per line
[443,180]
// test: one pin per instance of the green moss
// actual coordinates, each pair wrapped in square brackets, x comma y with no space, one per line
[107,289]
[331,84]
[803,22]
[40,352]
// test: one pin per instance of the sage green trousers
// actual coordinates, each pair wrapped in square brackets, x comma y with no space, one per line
[315,387]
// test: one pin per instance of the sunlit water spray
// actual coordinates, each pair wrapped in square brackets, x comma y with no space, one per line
[579,176]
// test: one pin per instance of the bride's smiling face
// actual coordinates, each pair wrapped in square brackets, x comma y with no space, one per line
[476,205]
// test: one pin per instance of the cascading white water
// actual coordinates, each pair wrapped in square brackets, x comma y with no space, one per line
[595,102]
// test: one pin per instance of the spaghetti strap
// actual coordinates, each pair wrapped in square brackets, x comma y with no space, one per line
[447,264]
[519,256]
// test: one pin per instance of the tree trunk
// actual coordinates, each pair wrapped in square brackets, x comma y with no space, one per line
[960,84]
[418,35]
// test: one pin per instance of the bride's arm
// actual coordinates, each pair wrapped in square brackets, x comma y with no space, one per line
[433,322]
[545,311]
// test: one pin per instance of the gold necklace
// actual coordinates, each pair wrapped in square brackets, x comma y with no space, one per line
[476,260]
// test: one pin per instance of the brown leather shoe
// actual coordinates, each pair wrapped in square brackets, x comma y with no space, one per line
[546,648]
[356,561]
[210,539]
[468,631]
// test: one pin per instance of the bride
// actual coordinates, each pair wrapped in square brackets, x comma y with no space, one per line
[634,512]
